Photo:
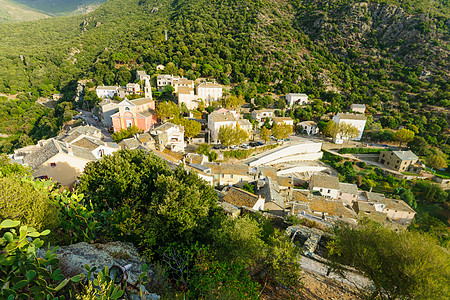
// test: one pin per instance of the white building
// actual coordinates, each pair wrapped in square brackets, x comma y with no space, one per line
[359,108]
[328,186]
[163,79]
[141,75]
[218,120]
[105,92]
[309,127]
[209,92]
[262,114]
[292,99]
[106,109]
[169,136]
[186,96]
[247,126]
[357,120]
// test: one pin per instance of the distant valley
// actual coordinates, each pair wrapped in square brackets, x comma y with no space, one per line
[29,10]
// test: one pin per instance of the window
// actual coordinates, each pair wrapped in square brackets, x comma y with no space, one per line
[127,108]
[222,175]
[52,164]
[231,176]
[129,123]
[329,191]
[321,190]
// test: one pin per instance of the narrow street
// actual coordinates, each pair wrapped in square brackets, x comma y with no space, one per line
[90,120]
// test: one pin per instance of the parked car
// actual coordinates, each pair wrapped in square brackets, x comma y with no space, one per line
[234,147]
[245,146]
[288,139]
[254,144]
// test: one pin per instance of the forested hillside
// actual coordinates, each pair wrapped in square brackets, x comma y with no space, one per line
[392,56]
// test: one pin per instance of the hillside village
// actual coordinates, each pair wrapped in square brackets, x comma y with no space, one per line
[284,175]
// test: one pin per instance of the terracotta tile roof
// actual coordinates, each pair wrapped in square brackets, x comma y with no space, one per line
[222,117]
[400,205]
[324,181]
[219,168]
[239,197]
[349,116]
[333,208]
[87,143]
[41,155]
[141,101]
[348,188]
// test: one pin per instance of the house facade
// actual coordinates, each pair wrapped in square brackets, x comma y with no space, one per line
[402,161]
[218,120]
[309,127]
[209,91]
[169,136]
[328,186]
[186,96]
[357,120]
[106,109]
[105,92]
[262,114]
[138,112]
[294,98]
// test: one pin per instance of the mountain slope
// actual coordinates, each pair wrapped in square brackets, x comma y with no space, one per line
[13,12]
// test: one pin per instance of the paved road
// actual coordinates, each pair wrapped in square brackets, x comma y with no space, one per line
[89,117]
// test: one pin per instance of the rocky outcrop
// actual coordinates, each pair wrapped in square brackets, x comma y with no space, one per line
[378,30]
[73,258]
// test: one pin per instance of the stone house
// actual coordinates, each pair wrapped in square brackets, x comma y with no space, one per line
[186,96]
[401,161]
[242,198]
[348,193]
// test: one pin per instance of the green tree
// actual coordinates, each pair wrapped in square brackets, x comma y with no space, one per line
[282,130]
[347,131]
[125,133]
[404,136]
[28,202]
[419,146]
[124,175]
[436,161]
[330,129]
[234,101]
[229,136]
[167,110]
[265,134]
[191,127]
[404,265]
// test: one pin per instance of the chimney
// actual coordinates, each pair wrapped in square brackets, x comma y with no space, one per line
[69,149]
